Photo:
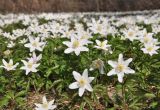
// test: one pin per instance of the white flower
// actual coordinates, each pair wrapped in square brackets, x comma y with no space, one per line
[150,49]
[130,34]
[7,52]
[82,82]
[145,37]
[35,44]
[98,27]
[19,32]
[29,66]
[46,105]
[103,45]
[76,46]
[66,33]
[23,41]
[35,58]
[155,28]
[11,44]
[9,66]
[97,64]
[120,67]
[84,35]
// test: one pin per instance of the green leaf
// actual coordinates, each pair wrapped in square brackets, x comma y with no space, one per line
[149,95]
[21,93]
[4,101]
[156,65]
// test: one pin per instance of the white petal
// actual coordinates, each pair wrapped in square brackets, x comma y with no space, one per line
[51,102]
[4,62]
[68,50]
[89,88]
[76,75]
[36,65]
[83,49]
[112,63]
[128,61]
[27,45]
[74,85]
[31,39]
[27,71]
[53,107]
[39,57]
[34,55]
[73,39]
[85,74]
[44,99]
[120,58]
[81,91]
[98,42]
[120,77]
[112,72]
[129,70]
[39,48]
[91,79]
[77,52]
[105,42]
[38,105]
[91,69]
[37,39]
[11,61]
[69,44]
[101,70]
[34,70]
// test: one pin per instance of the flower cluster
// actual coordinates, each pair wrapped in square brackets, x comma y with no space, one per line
[54,46]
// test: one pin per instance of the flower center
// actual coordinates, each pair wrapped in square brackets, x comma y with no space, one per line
[120,67]
[150,49]
[7,52]
[102,44]
[99,28]
[67,33]
[30,65]
[45,106]
[82,82]
[84,37]
[146,39]
[9,65]
[130,34]
[34,44]
[98,63]
[75,44]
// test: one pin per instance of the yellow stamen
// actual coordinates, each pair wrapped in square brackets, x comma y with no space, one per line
[30,65]
[99,28]
[75,44]
[84,37]
[120,67]
[146,39]
[130,34]
[82,82]
[34,44]
[150,49]
[9,65]
[102,44]
[45,106]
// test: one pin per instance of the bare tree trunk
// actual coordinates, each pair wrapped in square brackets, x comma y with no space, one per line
[29,6]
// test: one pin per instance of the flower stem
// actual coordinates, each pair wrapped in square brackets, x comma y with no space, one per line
[123,96]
